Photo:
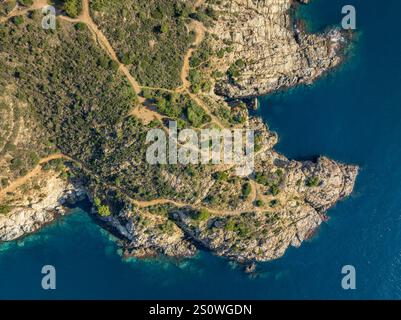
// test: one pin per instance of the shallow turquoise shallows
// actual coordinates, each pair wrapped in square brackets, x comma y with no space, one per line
[352,115]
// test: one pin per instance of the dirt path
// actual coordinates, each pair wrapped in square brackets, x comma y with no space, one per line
[142,112]
[199,30]
[141,204]
[146,114]
[198,3]
[162,201]
[101,39]
[254,194]
[104,42]
[37,4]
[21,181]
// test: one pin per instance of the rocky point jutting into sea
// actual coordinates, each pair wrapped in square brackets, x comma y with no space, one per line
[288,198]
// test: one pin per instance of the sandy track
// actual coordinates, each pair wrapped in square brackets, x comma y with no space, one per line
[37,4]
[199,30]
[21,181]
[141,204]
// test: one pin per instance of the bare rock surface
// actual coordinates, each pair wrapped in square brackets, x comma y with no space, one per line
[273,51]
[37,207]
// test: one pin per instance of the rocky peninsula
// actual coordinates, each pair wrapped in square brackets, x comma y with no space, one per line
[240,49]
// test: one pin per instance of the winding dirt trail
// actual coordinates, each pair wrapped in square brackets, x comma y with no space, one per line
[22,180]
[254,194]
[141,204]
[100,38]
[18,11]
[199,30]
[141,111]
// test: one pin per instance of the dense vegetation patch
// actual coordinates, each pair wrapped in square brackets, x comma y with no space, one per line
[179,107]
[150,36]
[71,7]
[83,103]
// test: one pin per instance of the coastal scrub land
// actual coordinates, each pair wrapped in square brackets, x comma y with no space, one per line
[76,104]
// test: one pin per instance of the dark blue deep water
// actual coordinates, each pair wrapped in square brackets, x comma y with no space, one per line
[352,115]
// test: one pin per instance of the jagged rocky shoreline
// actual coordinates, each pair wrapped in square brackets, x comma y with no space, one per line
[269,236]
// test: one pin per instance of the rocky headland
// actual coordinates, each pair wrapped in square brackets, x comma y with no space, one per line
[261,50]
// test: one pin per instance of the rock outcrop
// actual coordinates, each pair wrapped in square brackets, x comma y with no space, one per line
[307,190]
[36,207]
[266,50]
[288,215]
[148,235]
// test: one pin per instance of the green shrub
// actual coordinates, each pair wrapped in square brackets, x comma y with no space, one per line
[18,20]
[240,63]
[113,65]
[217,74]
[5,209]
[10,147]
[313,182]
[97,202]
[220,53]
[167,227]
[72,8]
[246,190]
[196,115]
[4,182]
[259,203]
[104,211]
[262,178]
[230,225]
[202,215]
[275,190]
[164,28]
[221,176]
[273,203]
[80,26]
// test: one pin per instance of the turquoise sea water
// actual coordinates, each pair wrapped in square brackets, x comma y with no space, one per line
[352,115]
